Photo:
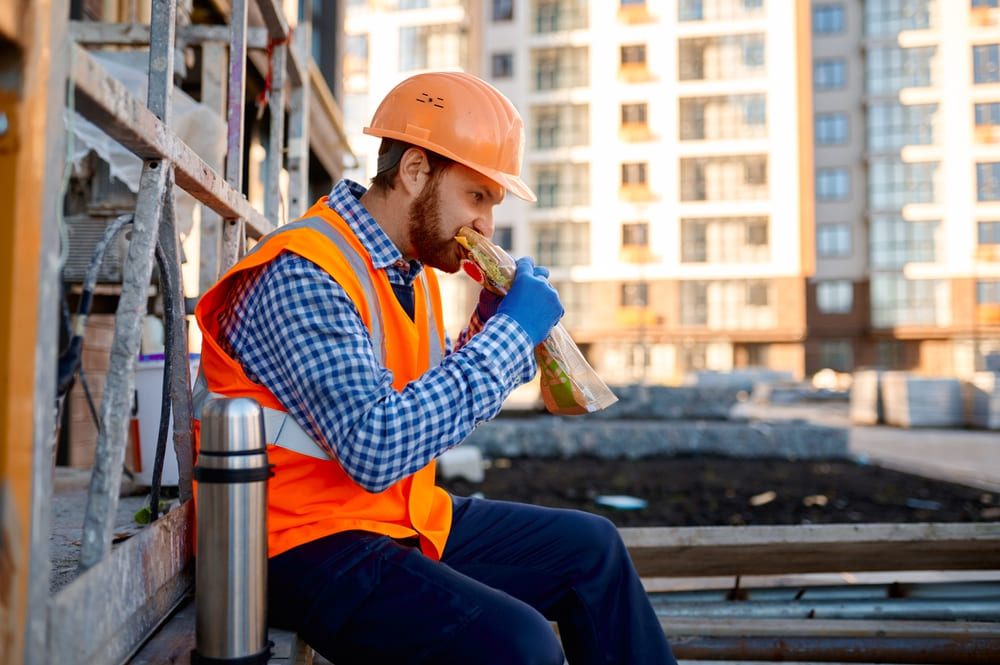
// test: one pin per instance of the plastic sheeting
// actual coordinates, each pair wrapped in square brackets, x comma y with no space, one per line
[201,128]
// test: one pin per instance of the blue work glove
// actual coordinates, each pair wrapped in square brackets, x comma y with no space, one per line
[532,301]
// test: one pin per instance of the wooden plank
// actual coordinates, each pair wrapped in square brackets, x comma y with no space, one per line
[110,609]
[32,154]
[775,550]
[872,648]
[174,642]
[108,104]
[688,626]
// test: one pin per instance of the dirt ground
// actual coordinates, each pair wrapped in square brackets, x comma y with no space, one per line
[722,491]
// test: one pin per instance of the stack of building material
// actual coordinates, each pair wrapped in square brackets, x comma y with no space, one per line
[982,400]
[866,398]
[917,401]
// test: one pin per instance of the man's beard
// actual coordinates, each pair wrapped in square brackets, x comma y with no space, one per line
[426,236]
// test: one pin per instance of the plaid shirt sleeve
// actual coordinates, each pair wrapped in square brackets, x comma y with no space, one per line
[295,331]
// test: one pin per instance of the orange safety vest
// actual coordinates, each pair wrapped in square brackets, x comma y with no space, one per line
[310,495]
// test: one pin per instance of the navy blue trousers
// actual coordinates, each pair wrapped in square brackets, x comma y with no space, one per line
[508,570]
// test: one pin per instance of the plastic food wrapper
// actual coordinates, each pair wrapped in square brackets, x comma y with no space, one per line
[569,385]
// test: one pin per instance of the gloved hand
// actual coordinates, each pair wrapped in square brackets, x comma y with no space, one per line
[532,301]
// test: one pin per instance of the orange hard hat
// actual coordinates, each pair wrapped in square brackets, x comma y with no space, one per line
[460,117]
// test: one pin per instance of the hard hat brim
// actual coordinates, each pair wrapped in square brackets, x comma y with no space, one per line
[512,183]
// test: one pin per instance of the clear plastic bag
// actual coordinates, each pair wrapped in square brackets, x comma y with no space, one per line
[569,385]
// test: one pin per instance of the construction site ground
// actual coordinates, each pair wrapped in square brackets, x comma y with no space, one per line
[894,475]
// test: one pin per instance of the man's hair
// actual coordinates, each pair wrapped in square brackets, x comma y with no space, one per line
[389,154]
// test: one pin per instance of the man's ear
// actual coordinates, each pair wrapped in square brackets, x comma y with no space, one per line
[413,170]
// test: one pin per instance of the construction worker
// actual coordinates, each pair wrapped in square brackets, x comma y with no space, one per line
[333,323]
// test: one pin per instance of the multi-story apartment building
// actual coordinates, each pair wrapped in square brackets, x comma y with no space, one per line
[907,111]
[734,183]
[670,146]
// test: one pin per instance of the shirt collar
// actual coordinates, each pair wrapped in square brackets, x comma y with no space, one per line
[344,199]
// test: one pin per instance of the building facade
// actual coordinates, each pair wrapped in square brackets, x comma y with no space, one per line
[907,127]
[670,147]
[727,184]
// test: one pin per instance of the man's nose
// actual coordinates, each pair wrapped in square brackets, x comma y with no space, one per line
[484,225]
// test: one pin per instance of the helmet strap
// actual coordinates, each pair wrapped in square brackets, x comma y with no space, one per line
[391,157]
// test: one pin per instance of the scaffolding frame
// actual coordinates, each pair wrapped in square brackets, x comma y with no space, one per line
[140,582]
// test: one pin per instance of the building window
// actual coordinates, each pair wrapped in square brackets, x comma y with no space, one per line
[690,10]
[724,178]
[897,301]
[836,354]
[560,68]
[634,114]
[732,57]
[693,303]
[431,47]
[356,63]
[890,17]
[832,184]
[831,128]
[893,183]
[833,240]
[988,292]
[892,125]
[988,181]
[633,54]
[986,63]
[561,244]
[753,54]
[502,65]
[635,234]
[890,69]
[827,19]
[634,173]
[504,237]
[725,240]
[635,294]
[988,233]
[835,296]
[829,74]
[715,10]
[889,354]
[560,125]
[564,184]
[987,115]
[503,10]
[758,294]
[893,242]
[723,117]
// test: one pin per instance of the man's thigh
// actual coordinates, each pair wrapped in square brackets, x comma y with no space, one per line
[363,598]
[534,553]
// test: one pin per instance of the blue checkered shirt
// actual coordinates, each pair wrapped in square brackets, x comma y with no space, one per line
[294,330]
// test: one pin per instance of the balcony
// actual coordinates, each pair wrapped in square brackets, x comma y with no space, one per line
[636,193]
[636,317]
[635,13]
[987,134]
[984,17]
[635,72]
[634,132]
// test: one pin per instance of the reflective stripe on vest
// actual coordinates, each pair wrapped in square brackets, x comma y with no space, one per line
[357,263]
